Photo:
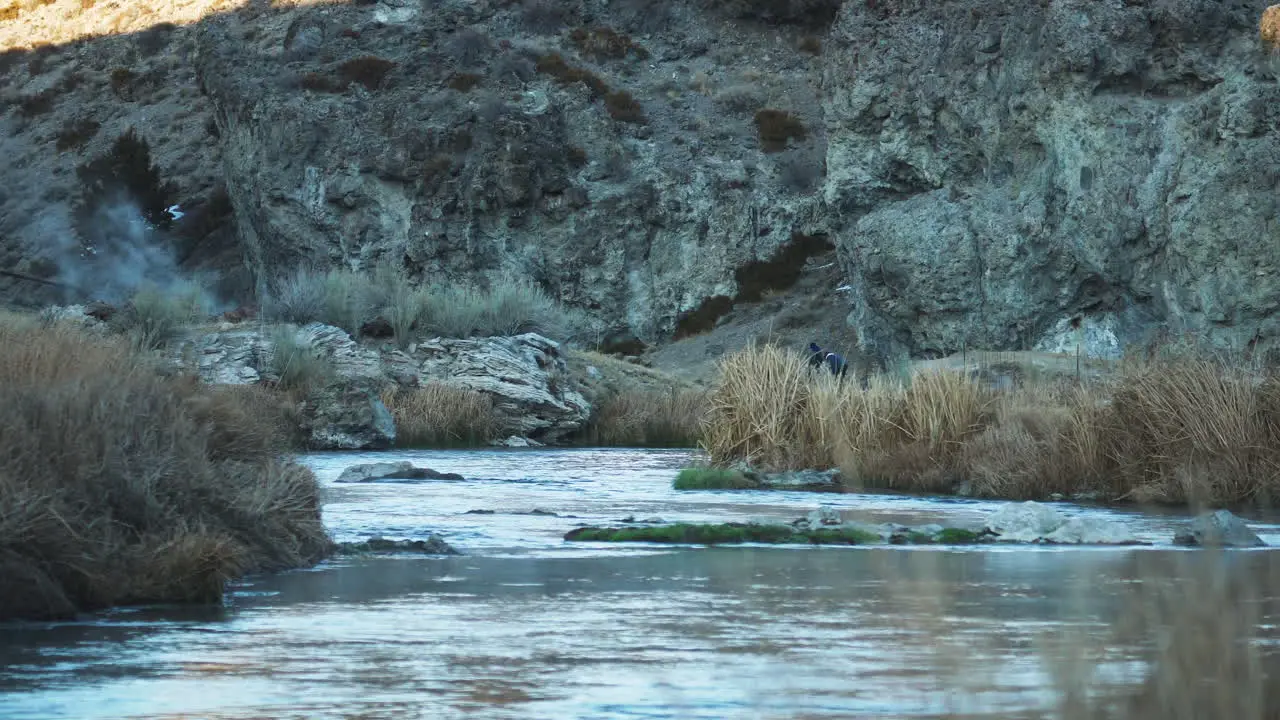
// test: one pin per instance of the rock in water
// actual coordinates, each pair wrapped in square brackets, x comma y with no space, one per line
[433,545]
[1091,531]
[404,470]
[1218,529]
[825,516]
[802,480]
[1024,522]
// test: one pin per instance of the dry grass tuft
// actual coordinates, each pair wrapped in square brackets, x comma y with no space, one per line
[1269,27]
[1179,430]
[648,417]
[121,485]
[439,415]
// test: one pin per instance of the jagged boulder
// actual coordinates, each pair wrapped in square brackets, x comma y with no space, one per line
[392,471]
[526,375]
[1218,529]
[1024,522]
[347,418]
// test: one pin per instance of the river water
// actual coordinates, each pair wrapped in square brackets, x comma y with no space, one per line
[525,625]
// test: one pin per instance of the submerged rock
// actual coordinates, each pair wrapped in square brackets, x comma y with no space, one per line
[1218,529]
[404,470]
[812,480]
[433,545]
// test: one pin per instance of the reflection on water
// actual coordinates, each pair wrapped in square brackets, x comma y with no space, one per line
[524,626]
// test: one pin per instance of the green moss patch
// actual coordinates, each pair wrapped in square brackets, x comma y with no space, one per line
[722,534]
[735,533]
[706,478]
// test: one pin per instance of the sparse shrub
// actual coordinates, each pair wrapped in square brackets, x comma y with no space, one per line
[464,82]
[440,415]
[554,65]
[122,82]
[624,108]
[544,17]
[41,103]
[606,43]
[776,128]
[369,71]
[338,297]
[402,304]
[120,486]
[297,365]
[156,316]
[75,134]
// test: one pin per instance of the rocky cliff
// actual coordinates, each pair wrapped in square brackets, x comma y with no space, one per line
[1000,172]
[987,176]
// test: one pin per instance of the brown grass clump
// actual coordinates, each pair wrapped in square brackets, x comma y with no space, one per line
[648,417]
[624,108]
[555,66]
[1269,27]
[464,82]
[121,485]
[369,71]
[606,43]
[438,415]
[1179,430]
[776,128]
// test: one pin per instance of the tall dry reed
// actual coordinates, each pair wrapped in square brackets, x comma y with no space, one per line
[121,484]
[439,415]
[647,417]
[1183,429]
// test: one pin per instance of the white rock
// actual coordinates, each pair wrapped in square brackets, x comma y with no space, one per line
[1024,522]
[825,515]
[370,471]
[1091,531]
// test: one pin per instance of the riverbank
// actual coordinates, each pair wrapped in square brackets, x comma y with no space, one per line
[122,483]
[1181,430]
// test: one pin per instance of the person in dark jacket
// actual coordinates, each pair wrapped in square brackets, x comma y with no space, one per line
[834,361]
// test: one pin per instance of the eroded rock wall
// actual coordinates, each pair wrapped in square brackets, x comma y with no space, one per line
[1000,170]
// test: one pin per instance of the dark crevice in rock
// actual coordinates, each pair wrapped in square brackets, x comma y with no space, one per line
[782,270]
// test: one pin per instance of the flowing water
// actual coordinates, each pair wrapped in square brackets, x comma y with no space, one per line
[525,625]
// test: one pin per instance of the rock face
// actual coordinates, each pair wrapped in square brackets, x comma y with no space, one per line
[1067,172]
[338,418]
[467,153]
[525,375]
[1031,522]
[1004,171]
[1218,529]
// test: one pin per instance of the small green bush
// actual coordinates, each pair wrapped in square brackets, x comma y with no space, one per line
[708,478]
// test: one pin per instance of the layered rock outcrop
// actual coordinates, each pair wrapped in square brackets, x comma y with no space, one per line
[534,395]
